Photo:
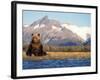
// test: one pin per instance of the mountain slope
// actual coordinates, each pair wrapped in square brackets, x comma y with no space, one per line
[52,32]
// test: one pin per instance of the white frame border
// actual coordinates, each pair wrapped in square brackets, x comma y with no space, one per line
[52,71]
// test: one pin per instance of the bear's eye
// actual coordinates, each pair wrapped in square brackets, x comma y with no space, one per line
[32,34]
[38,34]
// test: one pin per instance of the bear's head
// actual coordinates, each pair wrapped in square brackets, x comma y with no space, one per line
[36,38]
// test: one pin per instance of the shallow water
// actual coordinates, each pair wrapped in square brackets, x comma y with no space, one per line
[56,63]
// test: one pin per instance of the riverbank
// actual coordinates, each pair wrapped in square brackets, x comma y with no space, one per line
[58,56]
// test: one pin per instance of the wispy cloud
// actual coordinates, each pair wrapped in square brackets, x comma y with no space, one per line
[26,25]
[82,31]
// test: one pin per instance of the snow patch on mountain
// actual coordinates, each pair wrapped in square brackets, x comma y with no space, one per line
[36,26]
[56,28]
[42,25]
[46,41]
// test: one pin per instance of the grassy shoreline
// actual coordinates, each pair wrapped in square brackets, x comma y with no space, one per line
[59,56]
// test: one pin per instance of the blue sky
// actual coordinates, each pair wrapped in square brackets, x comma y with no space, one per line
[80,19]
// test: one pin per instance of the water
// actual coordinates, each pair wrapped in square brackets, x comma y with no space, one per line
[56,63]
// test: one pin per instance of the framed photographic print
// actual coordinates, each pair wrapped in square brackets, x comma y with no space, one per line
[50,39]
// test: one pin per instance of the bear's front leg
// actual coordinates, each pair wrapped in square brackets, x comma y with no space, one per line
[29,51]
[37,52]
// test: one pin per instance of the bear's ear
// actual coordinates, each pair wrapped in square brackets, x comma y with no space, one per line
[38,34]
[32,34]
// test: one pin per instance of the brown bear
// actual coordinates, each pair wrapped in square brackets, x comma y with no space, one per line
[35,47]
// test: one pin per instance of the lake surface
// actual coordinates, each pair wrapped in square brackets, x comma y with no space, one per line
[28,64]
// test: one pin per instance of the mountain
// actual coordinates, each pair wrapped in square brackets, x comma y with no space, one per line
[88,40]
[52,32]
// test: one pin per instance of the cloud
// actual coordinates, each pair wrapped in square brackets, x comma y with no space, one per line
[81,31]
[26,25]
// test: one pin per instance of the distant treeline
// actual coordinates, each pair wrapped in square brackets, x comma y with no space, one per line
[52,48]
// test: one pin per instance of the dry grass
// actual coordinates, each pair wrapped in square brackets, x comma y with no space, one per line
[58,55]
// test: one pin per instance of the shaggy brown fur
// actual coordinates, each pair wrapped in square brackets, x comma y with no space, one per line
[35,46]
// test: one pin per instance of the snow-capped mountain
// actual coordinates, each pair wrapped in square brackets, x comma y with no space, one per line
[52,32]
